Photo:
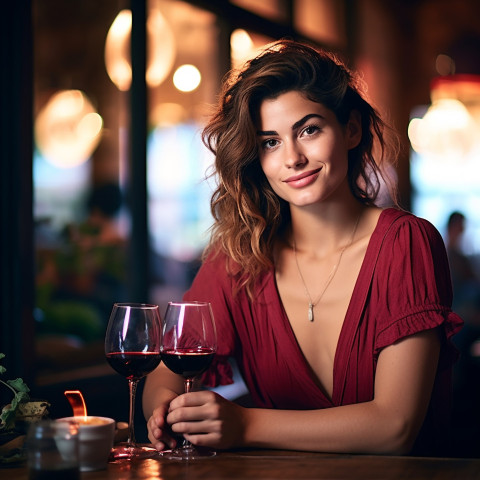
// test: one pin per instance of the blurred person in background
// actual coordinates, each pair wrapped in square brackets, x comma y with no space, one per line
[466,301]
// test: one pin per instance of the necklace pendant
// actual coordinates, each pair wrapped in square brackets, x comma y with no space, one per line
[310,312]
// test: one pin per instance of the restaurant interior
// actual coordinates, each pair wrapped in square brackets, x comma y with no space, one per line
[104,179]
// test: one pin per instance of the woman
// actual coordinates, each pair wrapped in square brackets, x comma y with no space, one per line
[336,311]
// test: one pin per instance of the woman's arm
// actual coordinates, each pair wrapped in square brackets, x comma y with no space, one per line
[388,424]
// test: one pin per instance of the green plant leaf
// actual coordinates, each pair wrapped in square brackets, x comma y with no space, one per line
[20,394]
[2,369]
[19,385]
[23,397]
[19,398]
[14,403]
[7,417]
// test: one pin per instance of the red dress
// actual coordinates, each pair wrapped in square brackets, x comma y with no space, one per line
[403,288]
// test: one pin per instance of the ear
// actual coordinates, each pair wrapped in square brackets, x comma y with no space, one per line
[354,129]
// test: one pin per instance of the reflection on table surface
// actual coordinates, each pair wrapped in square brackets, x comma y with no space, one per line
[272,464]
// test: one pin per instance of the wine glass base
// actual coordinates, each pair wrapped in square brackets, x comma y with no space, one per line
[187,453]
[127,451]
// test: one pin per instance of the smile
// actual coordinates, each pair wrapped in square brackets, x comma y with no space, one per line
[304,179]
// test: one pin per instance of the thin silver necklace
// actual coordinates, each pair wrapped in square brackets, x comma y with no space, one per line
[312,304]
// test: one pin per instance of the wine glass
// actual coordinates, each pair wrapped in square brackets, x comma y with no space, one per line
[189,343]
[132,348]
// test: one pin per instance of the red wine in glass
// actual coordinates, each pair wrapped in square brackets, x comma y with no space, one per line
[132,348]
[188,362]
[133,365]
[189,344]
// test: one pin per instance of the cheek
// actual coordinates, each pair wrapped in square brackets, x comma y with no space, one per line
[267,167]
[270,173]
[338,157]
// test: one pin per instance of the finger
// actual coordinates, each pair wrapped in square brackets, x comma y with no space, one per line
[211,440]
[159,435]
[196,427]
[185,414]
[191,399]
[161,440]
[157,444]
[159,415]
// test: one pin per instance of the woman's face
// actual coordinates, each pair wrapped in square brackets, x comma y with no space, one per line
[303,149]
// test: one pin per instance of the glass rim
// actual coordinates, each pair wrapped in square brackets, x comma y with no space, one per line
[196,303]
[134,305]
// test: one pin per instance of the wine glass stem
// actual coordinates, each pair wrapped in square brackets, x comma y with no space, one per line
[188,387]
[132,386]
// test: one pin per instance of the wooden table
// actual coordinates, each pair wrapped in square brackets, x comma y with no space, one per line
[268,464]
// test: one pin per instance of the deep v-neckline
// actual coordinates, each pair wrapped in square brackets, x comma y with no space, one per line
[352,315]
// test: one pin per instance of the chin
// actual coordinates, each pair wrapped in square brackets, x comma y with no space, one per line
[305,202]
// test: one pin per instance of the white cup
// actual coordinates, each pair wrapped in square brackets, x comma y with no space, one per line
[96,435]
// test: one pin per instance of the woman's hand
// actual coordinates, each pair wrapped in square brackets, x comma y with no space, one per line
[161,387]
[206,419]
[158,429]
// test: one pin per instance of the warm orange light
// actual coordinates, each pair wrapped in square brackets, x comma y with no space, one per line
[187,78]
[68,129]
[450,127]
[77,402]
[161,49]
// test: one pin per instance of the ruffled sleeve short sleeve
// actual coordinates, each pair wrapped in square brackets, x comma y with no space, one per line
[213,284]
[418,292]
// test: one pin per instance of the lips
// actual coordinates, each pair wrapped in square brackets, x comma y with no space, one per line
[303,179]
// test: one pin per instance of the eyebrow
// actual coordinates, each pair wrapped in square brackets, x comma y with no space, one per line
[296,125]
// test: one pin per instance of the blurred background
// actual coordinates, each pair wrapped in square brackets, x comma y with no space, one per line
[104,181]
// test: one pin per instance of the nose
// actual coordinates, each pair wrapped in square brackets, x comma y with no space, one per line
[294,156]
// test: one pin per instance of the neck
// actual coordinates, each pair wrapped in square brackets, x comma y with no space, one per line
[318,234]
[342,246]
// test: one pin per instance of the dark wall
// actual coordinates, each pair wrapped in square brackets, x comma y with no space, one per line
[16,224]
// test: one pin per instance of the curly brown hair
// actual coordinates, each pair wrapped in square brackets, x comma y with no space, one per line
[248,215]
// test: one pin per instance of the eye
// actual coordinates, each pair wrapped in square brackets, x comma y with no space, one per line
[269,144]
[310,130]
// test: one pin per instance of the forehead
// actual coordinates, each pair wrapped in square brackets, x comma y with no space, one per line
[289,107]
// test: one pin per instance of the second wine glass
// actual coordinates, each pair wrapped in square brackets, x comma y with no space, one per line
[132,348]
[189,343]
